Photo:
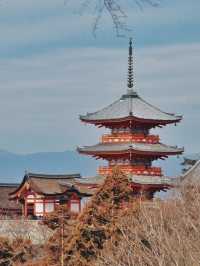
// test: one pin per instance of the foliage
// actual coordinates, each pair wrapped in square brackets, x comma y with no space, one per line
[162,233]
[54,219]
[99,220]
[117,229]
[188,163]
[62,221]
[16,252]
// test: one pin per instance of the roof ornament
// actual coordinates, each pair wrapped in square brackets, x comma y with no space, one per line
[130,83]
[131,93]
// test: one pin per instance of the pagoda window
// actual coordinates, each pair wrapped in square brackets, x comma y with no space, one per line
[119,161]
[112,162]
[114,130]
[148,163]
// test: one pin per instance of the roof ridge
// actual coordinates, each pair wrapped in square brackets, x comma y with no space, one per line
[9,184]
[52,176]
[158,109]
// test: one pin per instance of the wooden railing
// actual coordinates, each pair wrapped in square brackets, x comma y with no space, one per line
[137,170]
[127,137]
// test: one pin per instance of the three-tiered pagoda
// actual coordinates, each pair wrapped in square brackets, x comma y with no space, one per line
[130,145]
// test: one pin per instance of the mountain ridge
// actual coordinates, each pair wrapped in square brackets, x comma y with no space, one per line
[13,165]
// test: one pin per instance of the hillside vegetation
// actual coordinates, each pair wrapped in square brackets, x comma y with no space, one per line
[162,233]
[117,229]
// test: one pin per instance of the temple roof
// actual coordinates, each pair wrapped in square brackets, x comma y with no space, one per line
[131,106]
[52,176]
[51,185]
[161,181]
[5,190]
[97,180]
[158,148]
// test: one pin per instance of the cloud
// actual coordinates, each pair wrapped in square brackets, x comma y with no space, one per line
[42,96]
[31,27]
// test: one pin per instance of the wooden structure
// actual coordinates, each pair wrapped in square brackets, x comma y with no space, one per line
[39,194]
[130,145]
[8,208]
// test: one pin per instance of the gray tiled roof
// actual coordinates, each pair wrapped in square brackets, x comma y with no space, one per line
[138,179]
[130,104]
[116,147]
[52,176]
[151,180]
[91,180]
[49,184]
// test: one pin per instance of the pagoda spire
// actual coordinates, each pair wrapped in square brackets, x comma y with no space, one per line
[130,83]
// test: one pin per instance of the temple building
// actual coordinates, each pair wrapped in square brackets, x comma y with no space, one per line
[39,194]
[130,145]
[8,208]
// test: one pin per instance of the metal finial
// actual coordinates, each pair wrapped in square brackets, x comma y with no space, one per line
[130,47]
[130,66]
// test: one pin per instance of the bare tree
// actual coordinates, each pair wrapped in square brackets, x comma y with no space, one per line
[116,11]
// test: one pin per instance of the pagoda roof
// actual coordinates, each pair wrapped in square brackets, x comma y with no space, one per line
[137,148]
[137,179]
[95,180]
[131,107]
[142,182]
[151,180]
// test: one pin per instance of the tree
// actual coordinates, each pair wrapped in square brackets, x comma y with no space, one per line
[116,11]
[188,163]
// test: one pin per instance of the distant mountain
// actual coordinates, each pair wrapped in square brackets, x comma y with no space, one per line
[13,166]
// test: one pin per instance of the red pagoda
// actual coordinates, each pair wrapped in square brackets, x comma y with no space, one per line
[130,145]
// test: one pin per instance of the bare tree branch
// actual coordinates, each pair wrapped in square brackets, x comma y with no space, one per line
[116,12]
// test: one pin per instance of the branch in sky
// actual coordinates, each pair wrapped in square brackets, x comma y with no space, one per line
[115,10]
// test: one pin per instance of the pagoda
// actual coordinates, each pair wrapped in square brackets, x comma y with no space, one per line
[130,145]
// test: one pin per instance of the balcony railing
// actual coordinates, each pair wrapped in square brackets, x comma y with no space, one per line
[126,137]
[137,170]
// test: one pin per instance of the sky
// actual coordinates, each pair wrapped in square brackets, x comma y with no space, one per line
[52,69]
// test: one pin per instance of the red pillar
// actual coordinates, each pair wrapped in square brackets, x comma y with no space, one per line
[25,208]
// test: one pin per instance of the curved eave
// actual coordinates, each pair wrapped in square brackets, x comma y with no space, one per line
[20,187]
[96,153]
[115,121]
[161,185]
[151,180]
[67,191]
[146,187]
[73,189]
